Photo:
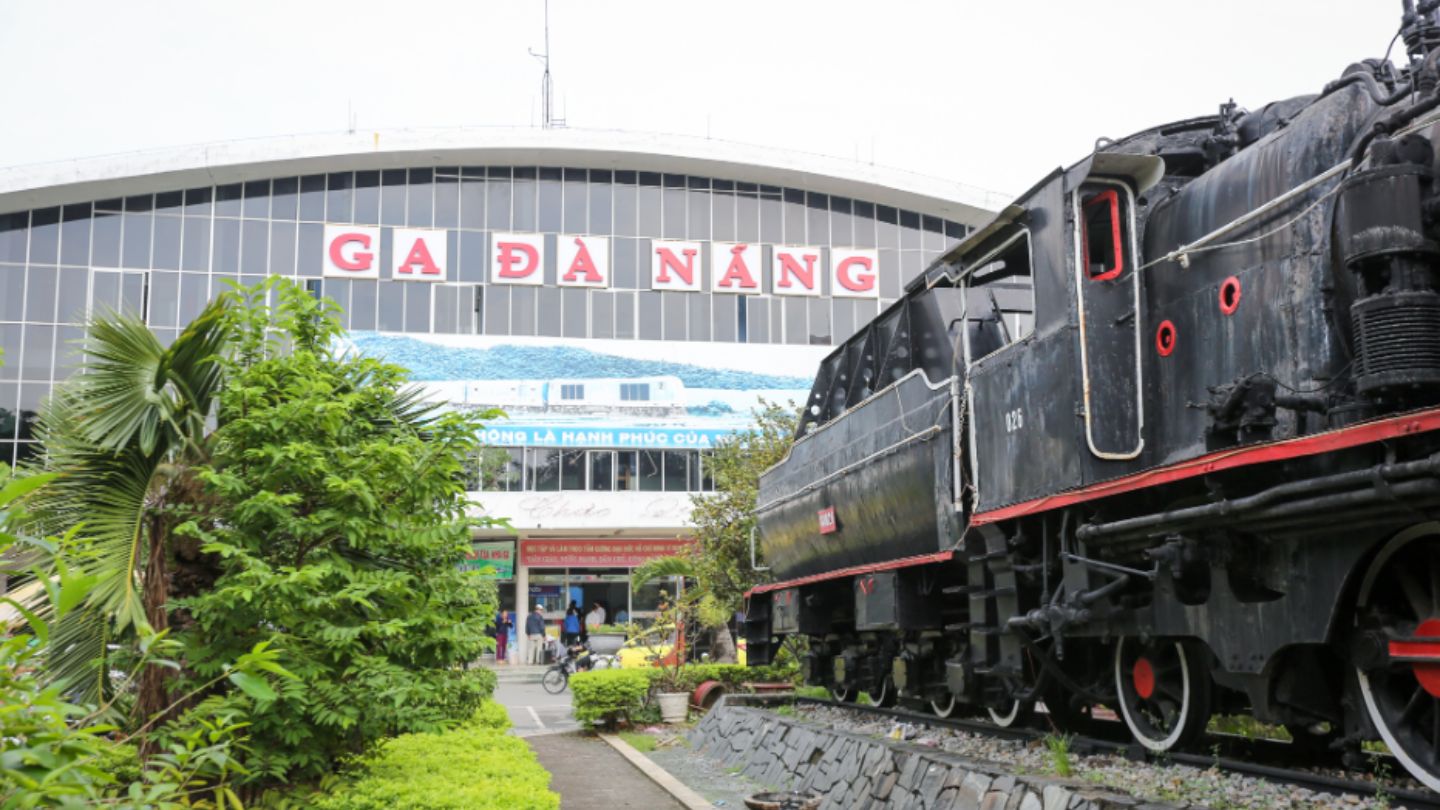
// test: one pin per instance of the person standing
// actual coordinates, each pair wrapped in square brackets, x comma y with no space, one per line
[501,632]
[535,635]
[570,629]
[595,617]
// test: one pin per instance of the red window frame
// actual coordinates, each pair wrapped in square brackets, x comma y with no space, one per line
[1107,196]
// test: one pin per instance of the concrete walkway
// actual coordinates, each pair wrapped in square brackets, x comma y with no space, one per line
[590,775]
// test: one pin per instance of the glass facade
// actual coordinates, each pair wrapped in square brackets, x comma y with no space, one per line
[163,256]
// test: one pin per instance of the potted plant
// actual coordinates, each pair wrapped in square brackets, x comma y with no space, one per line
[671,690]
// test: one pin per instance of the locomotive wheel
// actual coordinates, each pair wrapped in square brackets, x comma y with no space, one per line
[1164,692]
[1400,597]
[1018,713]
[884,695]
[944,708]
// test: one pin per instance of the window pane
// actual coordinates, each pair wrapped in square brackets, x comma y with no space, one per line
[497,201]
[472,204]
[549,324]
[255,247]
[544,469]
[602,470]
[602,315]
[14,231]
[339,197]
[650,474]
[197,201]
[282,248]
[363,296]
[572,470]
[522,311]
[692,483]
[283,205]
[392,197]
[225,255]
[137,240]
[625,315]
[167,243]
[72,294]
[12,293]
[164,298]
[195,254]
[105,241]
[257,199]
[676,470]
[523,205]
[367,198]
[228,199]
[39,346]
[650,315]
[551,201]
[421,198]
[447,202]
[627,471]
[308,254]
[445,309]
[699,316]
[497,311]
[392,306]
[75,235]
[575,315]
[40,295]
[417,307]
[45,236]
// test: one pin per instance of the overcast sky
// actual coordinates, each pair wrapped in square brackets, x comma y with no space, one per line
[988,93]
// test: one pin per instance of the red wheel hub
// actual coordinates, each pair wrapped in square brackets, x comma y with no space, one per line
[1427,673]
[1143,675]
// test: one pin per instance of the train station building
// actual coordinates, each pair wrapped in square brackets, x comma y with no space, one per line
[625,299]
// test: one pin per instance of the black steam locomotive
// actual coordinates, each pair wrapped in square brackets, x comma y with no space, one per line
[1162,437]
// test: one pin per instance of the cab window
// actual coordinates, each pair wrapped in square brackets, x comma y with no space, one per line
[1105,231]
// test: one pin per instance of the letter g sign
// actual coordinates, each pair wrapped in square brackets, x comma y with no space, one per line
[350,251]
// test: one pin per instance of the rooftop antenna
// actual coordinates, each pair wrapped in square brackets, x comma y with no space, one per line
[547,90]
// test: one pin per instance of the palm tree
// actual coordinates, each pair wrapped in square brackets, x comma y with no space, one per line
[697,601]
[124,437]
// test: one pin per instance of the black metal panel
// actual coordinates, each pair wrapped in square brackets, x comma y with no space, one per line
[886,468]
[892,600]
[785,611]
[1027,431]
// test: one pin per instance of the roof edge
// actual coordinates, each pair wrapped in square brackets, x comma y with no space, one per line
[86,179]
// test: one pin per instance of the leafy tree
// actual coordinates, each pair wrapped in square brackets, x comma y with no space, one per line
[126,436]
[339,517]
[720,559]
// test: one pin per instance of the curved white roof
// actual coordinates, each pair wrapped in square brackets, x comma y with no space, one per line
[97,178]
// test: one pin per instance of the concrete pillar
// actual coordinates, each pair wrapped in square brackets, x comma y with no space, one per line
[523,607]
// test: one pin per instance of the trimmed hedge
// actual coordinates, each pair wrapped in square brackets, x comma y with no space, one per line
[474,767]
[604,695]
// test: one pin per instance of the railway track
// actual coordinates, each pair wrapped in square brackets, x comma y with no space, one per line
[1237,754]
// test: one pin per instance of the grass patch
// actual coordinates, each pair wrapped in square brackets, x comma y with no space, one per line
[816,692]
[1057,746]
[644,743]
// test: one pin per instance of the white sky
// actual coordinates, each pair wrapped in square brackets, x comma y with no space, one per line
[993,94]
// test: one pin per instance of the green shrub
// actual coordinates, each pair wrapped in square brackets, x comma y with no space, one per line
[475,767]
[490,715]
[604,695]
[733,676]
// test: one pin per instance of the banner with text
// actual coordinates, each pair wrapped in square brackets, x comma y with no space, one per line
[597,553]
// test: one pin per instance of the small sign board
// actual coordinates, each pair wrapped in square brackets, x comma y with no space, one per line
[492,560]
[827,520]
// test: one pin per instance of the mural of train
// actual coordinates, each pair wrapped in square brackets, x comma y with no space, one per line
[654,396]
[1206,481]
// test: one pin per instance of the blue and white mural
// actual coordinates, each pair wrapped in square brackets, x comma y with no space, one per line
[601,393]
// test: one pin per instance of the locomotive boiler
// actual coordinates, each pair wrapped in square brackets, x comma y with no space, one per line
[1162,437]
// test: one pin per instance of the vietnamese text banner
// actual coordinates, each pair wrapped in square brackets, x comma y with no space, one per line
[492,560]
[598,553]
[640,438]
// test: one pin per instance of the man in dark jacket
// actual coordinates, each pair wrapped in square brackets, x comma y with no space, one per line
[535,635]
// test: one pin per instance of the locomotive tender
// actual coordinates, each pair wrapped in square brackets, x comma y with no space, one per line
[1163,436]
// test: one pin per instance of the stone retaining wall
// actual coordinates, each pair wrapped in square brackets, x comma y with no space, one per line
[860,773]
